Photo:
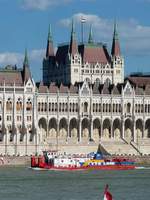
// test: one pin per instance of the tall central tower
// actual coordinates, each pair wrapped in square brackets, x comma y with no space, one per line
[117,59]
[74,60]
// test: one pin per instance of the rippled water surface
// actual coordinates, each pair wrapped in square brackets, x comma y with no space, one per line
[21,183]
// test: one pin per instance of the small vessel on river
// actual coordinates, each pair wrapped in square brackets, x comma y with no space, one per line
[50,160]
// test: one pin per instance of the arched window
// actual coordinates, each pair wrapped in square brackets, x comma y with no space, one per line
[60,107]
[9,104]
[85,107]
[29,105]
[63,107]
[66,107]
[49,107]
[135,108]
[107,81]
[128,107]
[76,107]
[73,107]
[19,105]
[55,107]
[0,106]
[52,107]
[99,107]
[97,81]
[70,107]
[94,107]
[87,80]
[145,108]
[45,109]
[38,106]
[42,107]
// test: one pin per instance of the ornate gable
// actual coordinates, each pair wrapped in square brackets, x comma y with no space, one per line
[30,86]
[128,90]
[85,90]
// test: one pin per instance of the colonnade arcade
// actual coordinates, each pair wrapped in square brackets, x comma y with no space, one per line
[85,129]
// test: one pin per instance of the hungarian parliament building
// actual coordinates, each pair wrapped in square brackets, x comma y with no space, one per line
[83,101]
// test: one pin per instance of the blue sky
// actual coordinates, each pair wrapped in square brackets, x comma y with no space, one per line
[24,24]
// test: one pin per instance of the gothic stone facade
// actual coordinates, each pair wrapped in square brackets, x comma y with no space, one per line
[92,105]
[37,117]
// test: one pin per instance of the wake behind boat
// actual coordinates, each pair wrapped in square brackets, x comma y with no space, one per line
[50,160]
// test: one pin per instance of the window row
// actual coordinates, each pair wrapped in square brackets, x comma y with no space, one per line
[54,107]
[18,118]
[115,108]
[19,105]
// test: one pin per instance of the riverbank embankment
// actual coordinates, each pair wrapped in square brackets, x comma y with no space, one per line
[25,160]
[15,160]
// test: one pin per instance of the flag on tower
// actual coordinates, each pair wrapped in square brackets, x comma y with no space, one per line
[107,194]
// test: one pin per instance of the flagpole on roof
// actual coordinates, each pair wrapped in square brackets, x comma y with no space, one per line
[82,28]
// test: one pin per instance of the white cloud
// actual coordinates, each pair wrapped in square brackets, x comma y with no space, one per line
[7,58]
[134,37]
[14,58]
[37,54]
[42,4]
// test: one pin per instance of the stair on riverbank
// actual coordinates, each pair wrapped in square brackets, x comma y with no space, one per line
[143,146]
[118,147]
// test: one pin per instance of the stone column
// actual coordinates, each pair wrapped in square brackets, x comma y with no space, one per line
[36,141]
[134,132]
[67,131]
[123,128]
[6,140]
[35,124]
[80,129]
[111,129]
[57,141]
[101,128]
[26,142]
[143,130]
[68,115]
[16,141]
[91,129]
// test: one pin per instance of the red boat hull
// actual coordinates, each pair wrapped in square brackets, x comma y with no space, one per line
[105,167]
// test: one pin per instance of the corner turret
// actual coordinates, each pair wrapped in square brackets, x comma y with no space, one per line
[26,69]
[90,39]
[73,48]
[115,51]
[50,49]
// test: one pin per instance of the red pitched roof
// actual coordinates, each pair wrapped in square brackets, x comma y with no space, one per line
[42,88]
[139,81]
[93,54]
[73,89]
[63,89]
[53,88]
[11,77]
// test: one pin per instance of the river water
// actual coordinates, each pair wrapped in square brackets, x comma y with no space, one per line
[21,183]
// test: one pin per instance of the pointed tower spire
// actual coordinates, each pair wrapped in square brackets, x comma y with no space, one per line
[115,31]
[50,33]
[50,49]
[90,40]
[26,61]
[73,43]
[72,31]
[26,69]
[115,51]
